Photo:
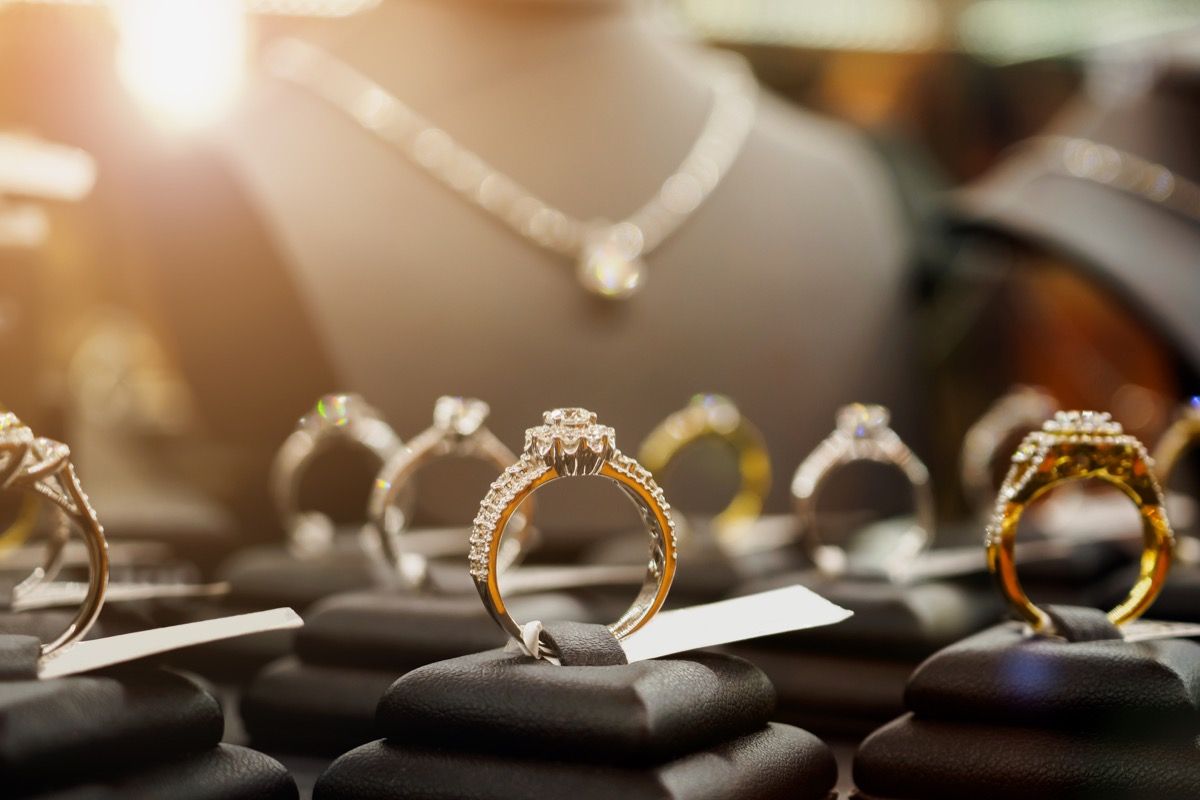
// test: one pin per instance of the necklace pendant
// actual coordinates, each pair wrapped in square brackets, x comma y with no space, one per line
[610,270]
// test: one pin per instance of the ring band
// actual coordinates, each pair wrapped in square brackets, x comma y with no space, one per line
[570,443]
[862,434]
[42,466]
[1021,410]
[1078,445]
[1181,436]
[458,430]
[716,416]
[336,418]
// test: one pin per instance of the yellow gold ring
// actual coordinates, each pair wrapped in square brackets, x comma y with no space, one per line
[1183,433]
[572,444]
[717,417]
[1074,446]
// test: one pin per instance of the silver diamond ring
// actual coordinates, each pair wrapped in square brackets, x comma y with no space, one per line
[336,419]
[458,430]
[571,444]
[42,466]
[862,434]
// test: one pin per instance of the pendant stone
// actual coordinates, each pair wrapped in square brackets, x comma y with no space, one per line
[611,268]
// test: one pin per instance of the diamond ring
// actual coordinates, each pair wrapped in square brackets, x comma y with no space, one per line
[1021,410]
[458,430]
[570,444]
[40,466]
[715,416]
[1183,433]
[1073,446]
[337,419]
[862,434]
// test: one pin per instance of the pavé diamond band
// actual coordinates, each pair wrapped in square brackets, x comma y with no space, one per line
[336,419]
[458,430]
[42,466]
[570,443]
[862,434]
[1073,446]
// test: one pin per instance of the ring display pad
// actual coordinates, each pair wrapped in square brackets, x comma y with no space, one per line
[500,725]
[1003,714]
[132,731]
[321,699]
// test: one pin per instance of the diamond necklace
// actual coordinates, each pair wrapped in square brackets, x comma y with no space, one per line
[609,256]
[1125,172]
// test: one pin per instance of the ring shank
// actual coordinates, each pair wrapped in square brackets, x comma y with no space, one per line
[660,569]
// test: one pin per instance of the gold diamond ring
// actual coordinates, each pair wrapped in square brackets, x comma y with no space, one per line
[42,467]
[1021,410]
[713,416]
[570,444]
[1073,446]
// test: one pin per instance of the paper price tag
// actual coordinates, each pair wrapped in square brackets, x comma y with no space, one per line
[791,608]
[99,653]
[1148,630]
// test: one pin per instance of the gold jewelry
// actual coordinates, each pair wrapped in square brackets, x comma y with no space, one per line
[572,444]
[1078,445]
[716,416]
[608,256]
[41,466]
[1183,433]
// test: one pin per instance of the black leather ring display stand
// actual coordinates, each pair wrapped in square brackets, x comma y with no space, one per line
[321,700]
[1004,714]
[131,731]
[500,725]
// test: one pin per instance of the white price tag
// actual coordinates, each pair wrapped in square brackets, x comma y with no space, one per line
[791,608]
[1148,630]
[98,653]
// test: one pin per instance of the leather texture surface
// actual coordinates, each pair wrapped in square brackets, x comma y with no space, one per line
[396,631]
[55,729]
[581,645]
[1002,676]
[225,772]
[644,712]
[903,622]
[305,708]
[1081,624]
[19,657]
[920,759]
[776,763]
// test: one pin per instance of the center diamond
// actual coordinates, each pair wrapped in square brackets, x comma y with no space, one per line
[570,417]
[861,420]
[462,416]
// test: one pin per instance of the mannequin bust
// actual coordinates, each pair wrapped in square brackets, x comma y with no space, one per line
[785,289]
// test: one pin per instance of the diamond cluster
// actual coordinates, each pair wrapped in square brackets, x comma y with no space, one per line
[34,462]
[1071,443]
[459,416]
[572,443]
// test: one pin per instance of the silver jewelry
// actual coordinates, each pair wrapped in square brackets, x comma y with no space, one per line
[336,418]
[862,434]
[458,430]
[1106,165]
[1021,410]
[34,464]
[609,256]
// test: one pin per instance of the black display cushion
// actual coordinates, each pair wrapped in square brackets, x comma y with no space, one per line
[54,730]
[920,759]
[303,708]
[645,712]
[225,772]
[19,657]
[271,576]
[389,630]
[778,762]
[903,622]
[1004,676]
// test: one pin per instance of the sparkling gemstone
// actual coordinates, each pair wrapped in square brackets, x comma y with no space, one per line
[607,270]
[861,420]
[460,415]
[570,417]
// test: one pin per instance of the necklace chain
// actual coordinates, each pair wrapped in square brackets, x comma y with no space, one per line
[1106,165]
[609,254]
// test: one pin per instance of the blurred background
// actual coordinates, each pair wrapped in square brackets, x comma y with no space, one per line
[105,107]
